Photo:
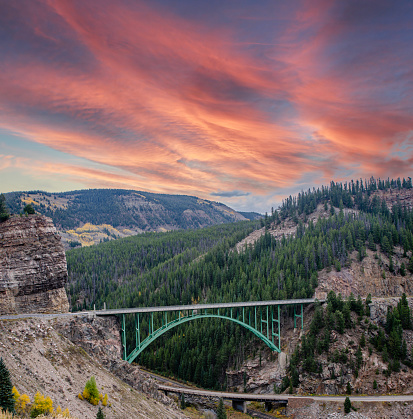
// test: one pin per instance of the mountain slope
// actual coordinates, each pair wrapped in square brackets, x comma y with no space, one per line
[91,216]
[39,358]
[321,231]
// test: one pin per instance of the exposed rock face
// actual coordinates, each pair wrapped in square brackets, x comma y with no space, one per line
[380,306]
[371,276]
[258,377]
[335,374]
[404,197]
[33,269]
[100,338]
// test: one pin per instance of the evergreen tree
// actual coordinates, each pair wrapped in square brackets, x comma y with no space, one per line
[410,267]
[371,245]
[362,340]
[4,212]
[183,404]
[28,209]
[340,322]
[386,246]
[404,350]
[404,312]
[403,269]
[6,395]
[100,414]
[359,357]
[391,265]
[347,405]
[221,413]
[385,354]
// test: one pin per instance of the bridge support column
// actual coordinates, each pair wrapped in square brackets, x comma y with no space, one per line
[267,406]
[239,405]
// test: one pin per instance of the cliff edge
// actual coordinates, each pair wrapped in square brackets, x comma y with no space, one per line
[33,269]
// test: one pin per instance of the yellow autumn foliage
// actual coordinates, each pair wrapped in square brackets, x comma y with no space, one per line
[91,392]
[21,401]
[42,404]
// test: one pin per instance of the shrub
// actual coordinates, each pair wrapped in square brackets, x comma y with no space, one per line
[100,414]
[21,402]
[91,392]
[41,405]
[58,413]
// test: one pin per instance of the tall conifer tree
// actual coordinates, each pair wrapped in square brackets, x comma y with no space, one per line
[6,394]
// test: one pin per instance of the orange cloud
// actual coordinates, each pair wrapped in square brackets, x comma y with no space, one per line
[171,105]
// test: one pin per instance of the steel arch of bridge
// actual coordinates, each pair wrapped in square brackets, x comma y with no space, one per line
[259,319]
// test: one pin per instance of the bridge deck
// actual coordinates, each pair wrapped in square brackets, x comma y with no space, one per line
[111,312]
[225,395]
[284,397]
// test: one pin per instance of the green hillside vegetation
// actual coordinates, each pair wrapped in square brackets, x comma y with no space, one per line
[126,272]
[270,269]
[341,195]
[118,207]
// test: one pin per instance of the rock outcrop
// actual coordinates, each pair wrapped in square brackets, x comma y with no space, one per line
[100,338]
[33,269]
[370,276]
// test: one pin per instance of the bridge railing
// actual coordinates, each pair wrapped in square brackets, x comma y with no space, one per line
[262,318]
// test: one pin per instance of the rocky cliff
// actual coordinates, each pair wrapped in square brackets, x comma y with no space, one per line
[370,276]
[33,269]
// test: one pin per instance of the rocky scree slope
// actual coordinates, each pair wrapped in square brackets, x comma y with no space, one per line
[40,358]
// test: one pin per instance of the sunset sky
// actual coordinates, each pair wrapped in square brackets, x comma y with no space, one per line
[242,101]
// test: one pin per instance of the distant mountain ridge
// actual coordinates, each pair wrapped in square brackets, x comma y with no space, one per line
[90,216]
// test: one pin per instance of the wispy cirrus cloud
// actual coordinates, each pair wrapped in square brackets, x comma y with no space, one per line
[175,100]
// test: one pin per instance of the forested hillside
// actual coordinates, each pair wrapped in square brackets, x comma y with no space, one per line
[91,216]
[202,266]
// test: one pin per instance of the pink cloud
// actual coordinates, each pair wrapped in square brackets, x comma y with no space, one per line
[178,107]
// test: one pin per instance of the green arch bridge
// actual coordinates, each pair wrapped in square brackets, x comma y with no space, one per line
[262,318]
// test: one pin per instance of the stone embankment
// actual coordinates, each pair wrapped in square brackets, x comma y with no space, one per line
[33,270]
